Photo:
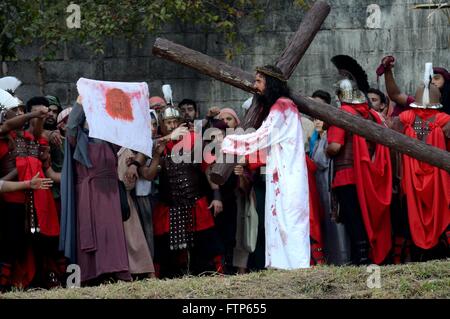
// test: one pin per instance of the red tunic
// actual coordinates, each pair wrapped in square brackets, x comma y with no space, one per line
[202,216]
[427,187]
[373,179]
[27,168]
[337,135]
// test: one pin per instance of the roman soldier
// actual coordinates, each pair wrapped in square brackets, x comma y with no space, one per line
[29,226]
[362,171]
[425,216]
[185,237]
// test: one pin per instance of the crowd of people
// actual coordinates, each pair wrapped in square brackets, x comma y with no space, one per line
[299,192]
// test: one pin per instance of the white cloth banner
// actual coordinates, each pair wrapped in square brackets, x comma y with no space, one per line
[118,112]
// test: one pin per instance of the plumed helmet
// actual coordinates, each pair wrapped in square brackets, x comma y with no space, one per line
[7,102]
[434,98]
[10,84]
[353,85]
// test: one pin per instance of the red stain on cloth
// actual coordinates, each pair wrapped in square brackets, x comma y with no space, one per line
[118,105]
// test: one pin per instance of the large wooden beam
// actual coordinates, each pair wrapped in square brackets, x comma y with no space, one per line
[374,132]
[203,63]
[333,116]
[302,39]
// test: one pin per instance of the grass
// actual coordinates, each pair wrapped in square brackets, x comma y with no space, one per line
[415,280]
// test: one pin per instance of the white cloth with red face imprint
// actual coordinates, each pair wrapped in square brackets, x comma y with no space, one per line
[287,193]
[118,112]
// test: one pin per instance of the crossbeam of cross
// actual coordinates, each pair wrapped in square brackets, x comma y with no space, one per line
[241,79]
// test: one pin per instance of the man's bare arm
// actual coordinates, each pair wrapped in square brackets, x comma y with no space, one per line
[392,89]
[19,121]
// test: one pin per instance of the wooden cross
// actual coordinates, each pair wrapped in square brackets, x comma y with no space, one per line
[287,62]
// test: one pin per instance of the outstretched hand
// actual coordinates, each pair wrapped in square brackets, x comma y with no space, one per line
[40,183]
[179,132]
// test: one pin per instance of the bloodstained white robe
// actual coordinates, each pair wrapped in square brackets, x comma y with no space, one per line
[287,194]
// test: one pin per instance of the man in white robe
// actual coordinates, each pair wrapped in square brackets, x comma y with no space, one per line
[279,134]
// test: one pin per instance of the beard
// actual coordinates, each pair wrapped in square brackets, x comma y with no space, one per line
[50,125]
[262,100]
[258,112]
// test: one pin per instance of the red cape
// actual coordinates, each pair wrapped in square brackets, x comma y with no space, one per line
[316,213]
[427,187]
[374,187]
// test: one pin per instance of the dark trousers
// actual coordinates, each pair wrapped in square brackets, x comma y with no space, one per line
[199,259]
[257,259]
[350,213]
[226,223]
[16,241]
[399,217]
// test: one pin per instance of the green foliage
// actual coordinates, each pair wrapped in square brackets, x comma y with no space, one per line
[44,21]
[304,4]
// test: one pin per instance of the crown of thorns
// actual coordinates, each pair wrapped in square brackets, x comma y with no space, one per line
[271,73]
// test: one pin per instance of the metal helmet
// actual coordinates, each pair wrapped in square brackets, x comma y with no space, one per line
[353,86]
[348,92]
[170,112]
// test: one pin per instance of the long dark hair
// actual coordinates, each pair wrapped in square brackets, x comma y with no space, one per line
[275,89]
[445,97]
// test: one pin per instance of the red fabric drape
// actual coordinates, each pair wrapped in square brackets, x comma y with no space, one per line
[203,217]
[373,180]
[427,187]
[27,168]
[316,213]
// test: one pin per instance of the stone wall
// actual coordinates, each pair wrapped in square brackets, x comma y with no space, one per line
[356,28]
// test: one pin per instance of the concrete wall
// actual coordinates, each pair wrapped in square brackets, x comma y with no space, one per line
[352,28]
